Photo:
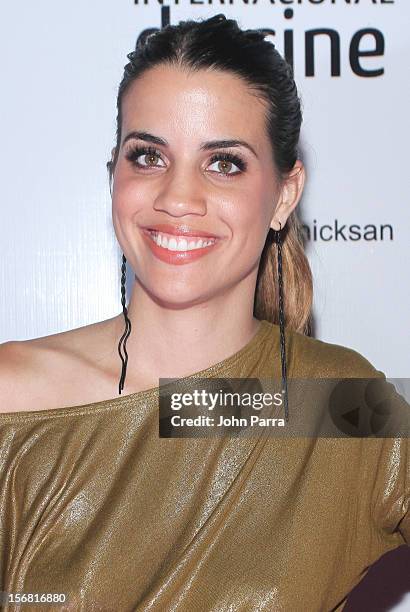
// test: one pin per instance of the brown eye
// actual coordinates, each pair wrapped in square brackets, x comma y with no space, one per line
[151,157]
[224,166]
[225,163]
[148,154]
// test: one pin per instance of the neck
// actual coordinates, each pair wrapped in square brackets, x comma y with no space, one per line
[175,342]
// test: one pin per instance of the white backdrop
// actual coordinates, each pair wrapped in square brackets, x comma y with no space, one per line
[61,65]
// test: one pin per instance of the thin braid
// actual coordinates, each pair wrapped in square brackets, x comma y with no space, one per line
[278,241]
[127,331]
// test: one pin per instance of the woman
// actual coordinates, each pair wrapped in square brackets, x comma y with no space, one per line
[97,506]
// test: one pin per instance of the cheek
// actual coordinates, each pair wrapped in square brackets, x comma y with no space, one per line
[249,215]
[252,225]
[128,196]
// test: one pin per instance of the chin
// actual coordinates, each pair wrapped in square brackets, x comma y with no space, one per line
[170,303]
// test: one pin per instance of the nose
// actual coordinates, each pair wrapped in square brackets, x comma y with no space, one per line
[182,194]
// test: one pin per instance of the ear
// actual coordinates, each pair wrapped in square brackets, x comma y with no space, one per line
[290,195]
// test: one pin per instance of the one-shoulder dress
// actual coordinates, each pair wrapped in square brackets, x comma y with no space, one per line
[101,513]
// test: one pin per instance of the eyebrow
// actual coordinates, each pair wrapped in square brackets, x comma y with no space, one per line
[204,146]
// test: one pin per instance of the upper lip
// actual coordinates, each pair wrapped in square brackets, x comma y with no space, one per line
[178,230]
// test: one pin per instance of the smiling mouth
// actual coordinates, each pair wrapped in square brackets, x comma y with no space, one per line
[171,242]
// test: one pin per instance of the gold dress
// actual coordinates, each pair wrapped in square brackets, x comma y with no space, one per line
[96,506]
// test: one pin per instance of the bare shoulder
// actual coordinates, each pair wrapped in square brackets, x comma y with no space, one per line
[16,374]
[59,370]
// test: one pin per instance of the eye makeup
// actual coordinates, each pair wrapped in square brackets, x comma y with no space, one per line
[134,152]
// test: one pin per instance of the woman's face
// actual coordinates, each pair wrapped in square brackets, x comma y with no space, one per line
[177,190]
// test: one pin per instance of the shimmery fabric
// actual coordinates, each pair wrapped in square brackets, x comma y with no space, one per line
[95,505]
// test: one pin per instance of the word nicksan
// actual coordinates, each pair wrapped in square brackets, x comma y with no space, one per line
[345,232]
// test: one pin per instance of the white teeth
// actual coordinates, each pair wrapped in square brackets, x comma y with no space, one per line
[182,244]
[172,244]
[179,243]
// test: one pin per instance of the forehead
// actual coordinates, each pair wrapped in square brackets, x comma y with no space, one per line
[202,105]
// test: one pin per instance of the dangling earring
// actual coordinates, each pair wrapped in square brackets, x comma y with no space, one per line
[277,234]
[127,331]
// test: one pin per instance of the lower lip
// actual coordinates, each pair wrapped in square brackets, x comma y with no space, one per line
[176,257]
